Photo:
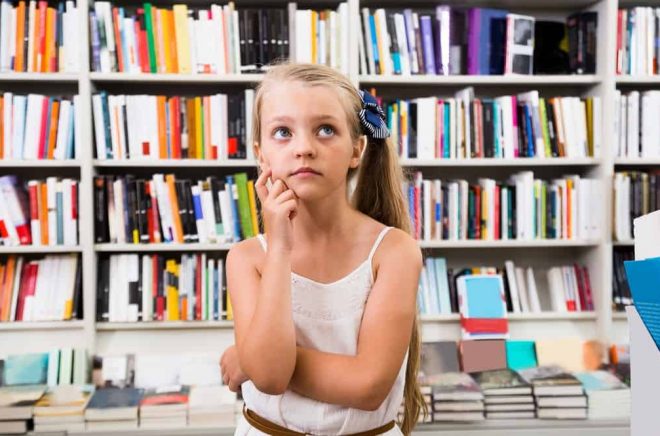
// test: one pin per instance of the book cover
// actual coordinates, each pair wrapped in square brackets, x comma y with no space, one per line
[502,382]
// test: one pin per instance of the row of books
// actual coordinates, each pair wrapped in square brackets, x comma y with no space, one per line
[167,209]
[189,287]
[522,208]
[635,121]
[85,407]
[60,366]
[475,41]
[219,39]
[621,295]
[321,37]
[39,213]
[176,127]
[636,30]
[36,37]
[521,379]
[511,126]
[636,193]
[45,289]
[568,288]
[37,126]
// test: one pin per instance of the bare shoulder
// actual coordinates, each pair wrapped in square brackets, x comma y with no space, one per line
[398,248]
[247,253]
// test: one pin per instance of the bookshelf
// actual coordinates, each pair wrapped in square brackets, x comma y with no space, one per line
[195,336]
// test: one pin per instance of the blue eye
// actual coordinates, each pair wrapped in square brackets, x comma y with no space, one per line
[281,133]
[326,131]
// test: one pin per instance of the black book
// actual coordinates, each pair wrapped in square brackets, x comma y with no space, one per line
[101,231]
[243,41]
[242,150]
[133,235]
[103,290]
[549,56]
[391,30]
[458,42]
[445,211]
[284,26]
[109,190]
[589,27]
[474,121]
[233,129]
[523,142]
[139,289]
[192,222]
[264,39]
[134,297]
[453,294]
[125,209]
[512,216]
[125,139]
[216,185]
[144,203]
[412,130]
[550,115]
[488,128]
[497,45]
[77,311]
[183,209]
[575,55]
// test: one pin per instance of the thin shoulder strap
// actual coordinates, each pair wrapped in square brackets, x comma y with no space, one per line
[377,242]
[262,239]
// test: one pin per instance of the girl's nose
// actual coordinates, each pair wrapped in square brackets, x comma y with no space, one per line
[304,146]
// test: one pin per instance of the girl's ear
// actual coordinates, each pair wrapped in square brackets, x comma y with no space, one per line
[258,155]
[358,150]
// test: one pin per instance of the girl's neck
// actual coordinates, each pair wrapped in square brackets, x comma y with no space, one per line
[326,218]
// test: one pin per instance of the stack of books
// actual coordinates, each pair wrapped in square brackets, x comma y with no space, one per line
[609,397]
[164,407]
[507,395]
[213,405]
[16,405]
[62,408]
[558,394]
[113,409]
[457,397]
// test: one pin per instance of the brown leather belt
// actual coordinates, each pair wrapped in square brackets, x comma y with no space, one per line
[268,427]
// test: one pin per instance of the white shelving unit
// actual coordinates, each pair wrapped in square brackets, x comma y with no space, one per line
[182,337]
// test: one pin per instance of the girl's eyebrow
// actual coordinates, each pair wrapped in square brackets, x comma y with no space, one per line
[287,119]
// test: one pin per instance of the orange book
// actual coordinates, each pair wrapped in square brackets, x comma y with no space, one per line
[52,133]
[199,128]
[8,287]
[315,17]
[253,205]
[569,208]
[20,36]
[39,33]
[171,40]
[49,57]
[2,290]
[190,119]
[166,36]
[176,218]
[43,213]
[118,43]
[162,127]
[211,150]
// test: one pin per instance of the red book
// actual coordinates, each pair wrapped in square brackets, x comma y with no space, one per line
[41,37]
[74,200]
[43,134]
[33,193]
[141,32]
[30,280]
[232,146]
[198,288]
[587,288]
[477,212]
[20,302]
[418,214]
[177,127]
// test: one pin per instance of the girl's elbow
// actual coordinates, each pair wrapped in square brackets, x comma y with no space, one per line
[271,385]
[373,394]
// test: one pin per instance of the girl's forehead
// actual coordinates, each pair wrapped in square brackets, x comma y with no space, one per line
[293,97]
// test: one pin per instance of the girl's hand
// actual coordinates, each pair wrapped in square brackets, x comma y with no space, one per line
[278,205]
[232,374]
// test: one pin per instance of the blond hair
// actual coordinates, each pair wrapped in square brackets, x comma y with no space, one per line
[378,192]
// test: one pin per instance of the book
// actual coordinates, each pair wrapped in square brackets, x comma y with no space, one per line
[502,382]
[482,307]
[552,381]
[455,386]
[26,369]
[437,358]
[17,402]
[520,354]
[482,355]
[114,404]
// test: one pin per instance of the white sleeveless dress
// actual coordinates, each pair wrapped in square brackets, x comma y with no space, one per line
[327,317]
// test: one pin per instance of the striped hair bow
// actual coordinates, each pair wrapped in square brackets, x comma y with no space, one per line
[372,117]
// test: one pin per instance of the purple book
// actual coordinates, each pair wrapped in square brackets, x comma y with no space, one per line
[427,42]
[473,43]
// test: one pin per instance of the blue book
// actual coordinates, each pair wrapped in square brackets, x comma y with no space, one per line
[527,118]
[496,129]
[374,43]
[434,304]
[427,43]
[447,132]
[482,306]
[70,139]
[232,193]
[643,281]
[443,285]
[520,355]
[59,205]
[486,40]
[26,369]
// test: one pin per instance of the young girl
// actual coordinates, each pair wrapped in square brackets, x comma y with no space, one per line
[324,302]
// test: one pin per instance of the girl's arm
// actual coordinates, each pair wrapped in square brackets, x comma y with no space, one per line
[263,325]
[363,381]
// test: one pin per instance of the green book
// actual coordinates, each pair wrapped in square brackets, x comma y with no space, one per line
[544,128]
[148,15]
[244,205]
[520,355]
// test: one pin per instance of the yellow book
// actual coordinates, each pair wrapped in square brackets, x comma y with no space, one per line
[199,139]
[484,214]
[50,44]
[315,17]
[590,125]
[253,206]
[381,50]
[182,40]
[172,303]
[68,309]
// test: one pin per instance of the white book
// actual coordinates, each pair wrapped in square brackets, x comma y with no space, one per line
[595,208]
[209,213]
[598,126]
[164,208]
[5,28]
[424,280]
[215,112]
[443,16]
[219,37]
[32,38]
[426,108]
[42,288]
[205,293]
[362,50]
[119,211]
[51,184]
[453,211]
[99,130]
[80,366]
[200,220]
[427,210]
[67,212]
[7,117]
[534,303]
[513,285]
[66,366]
[432,286]
[222,102]
[522,290]
[556,289]
[303,36]
[104,54]
[463,198]
[32,126]
[147,288]
[402,44]
[53,367]
[616,150]
[366,35]
[109,32]
[227,215]
[344,42]
[12,38]
[532,98]
[249,103]
[410,36]
[383,41]
[632,149]
[20,102]
[151,115]
[63,131]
